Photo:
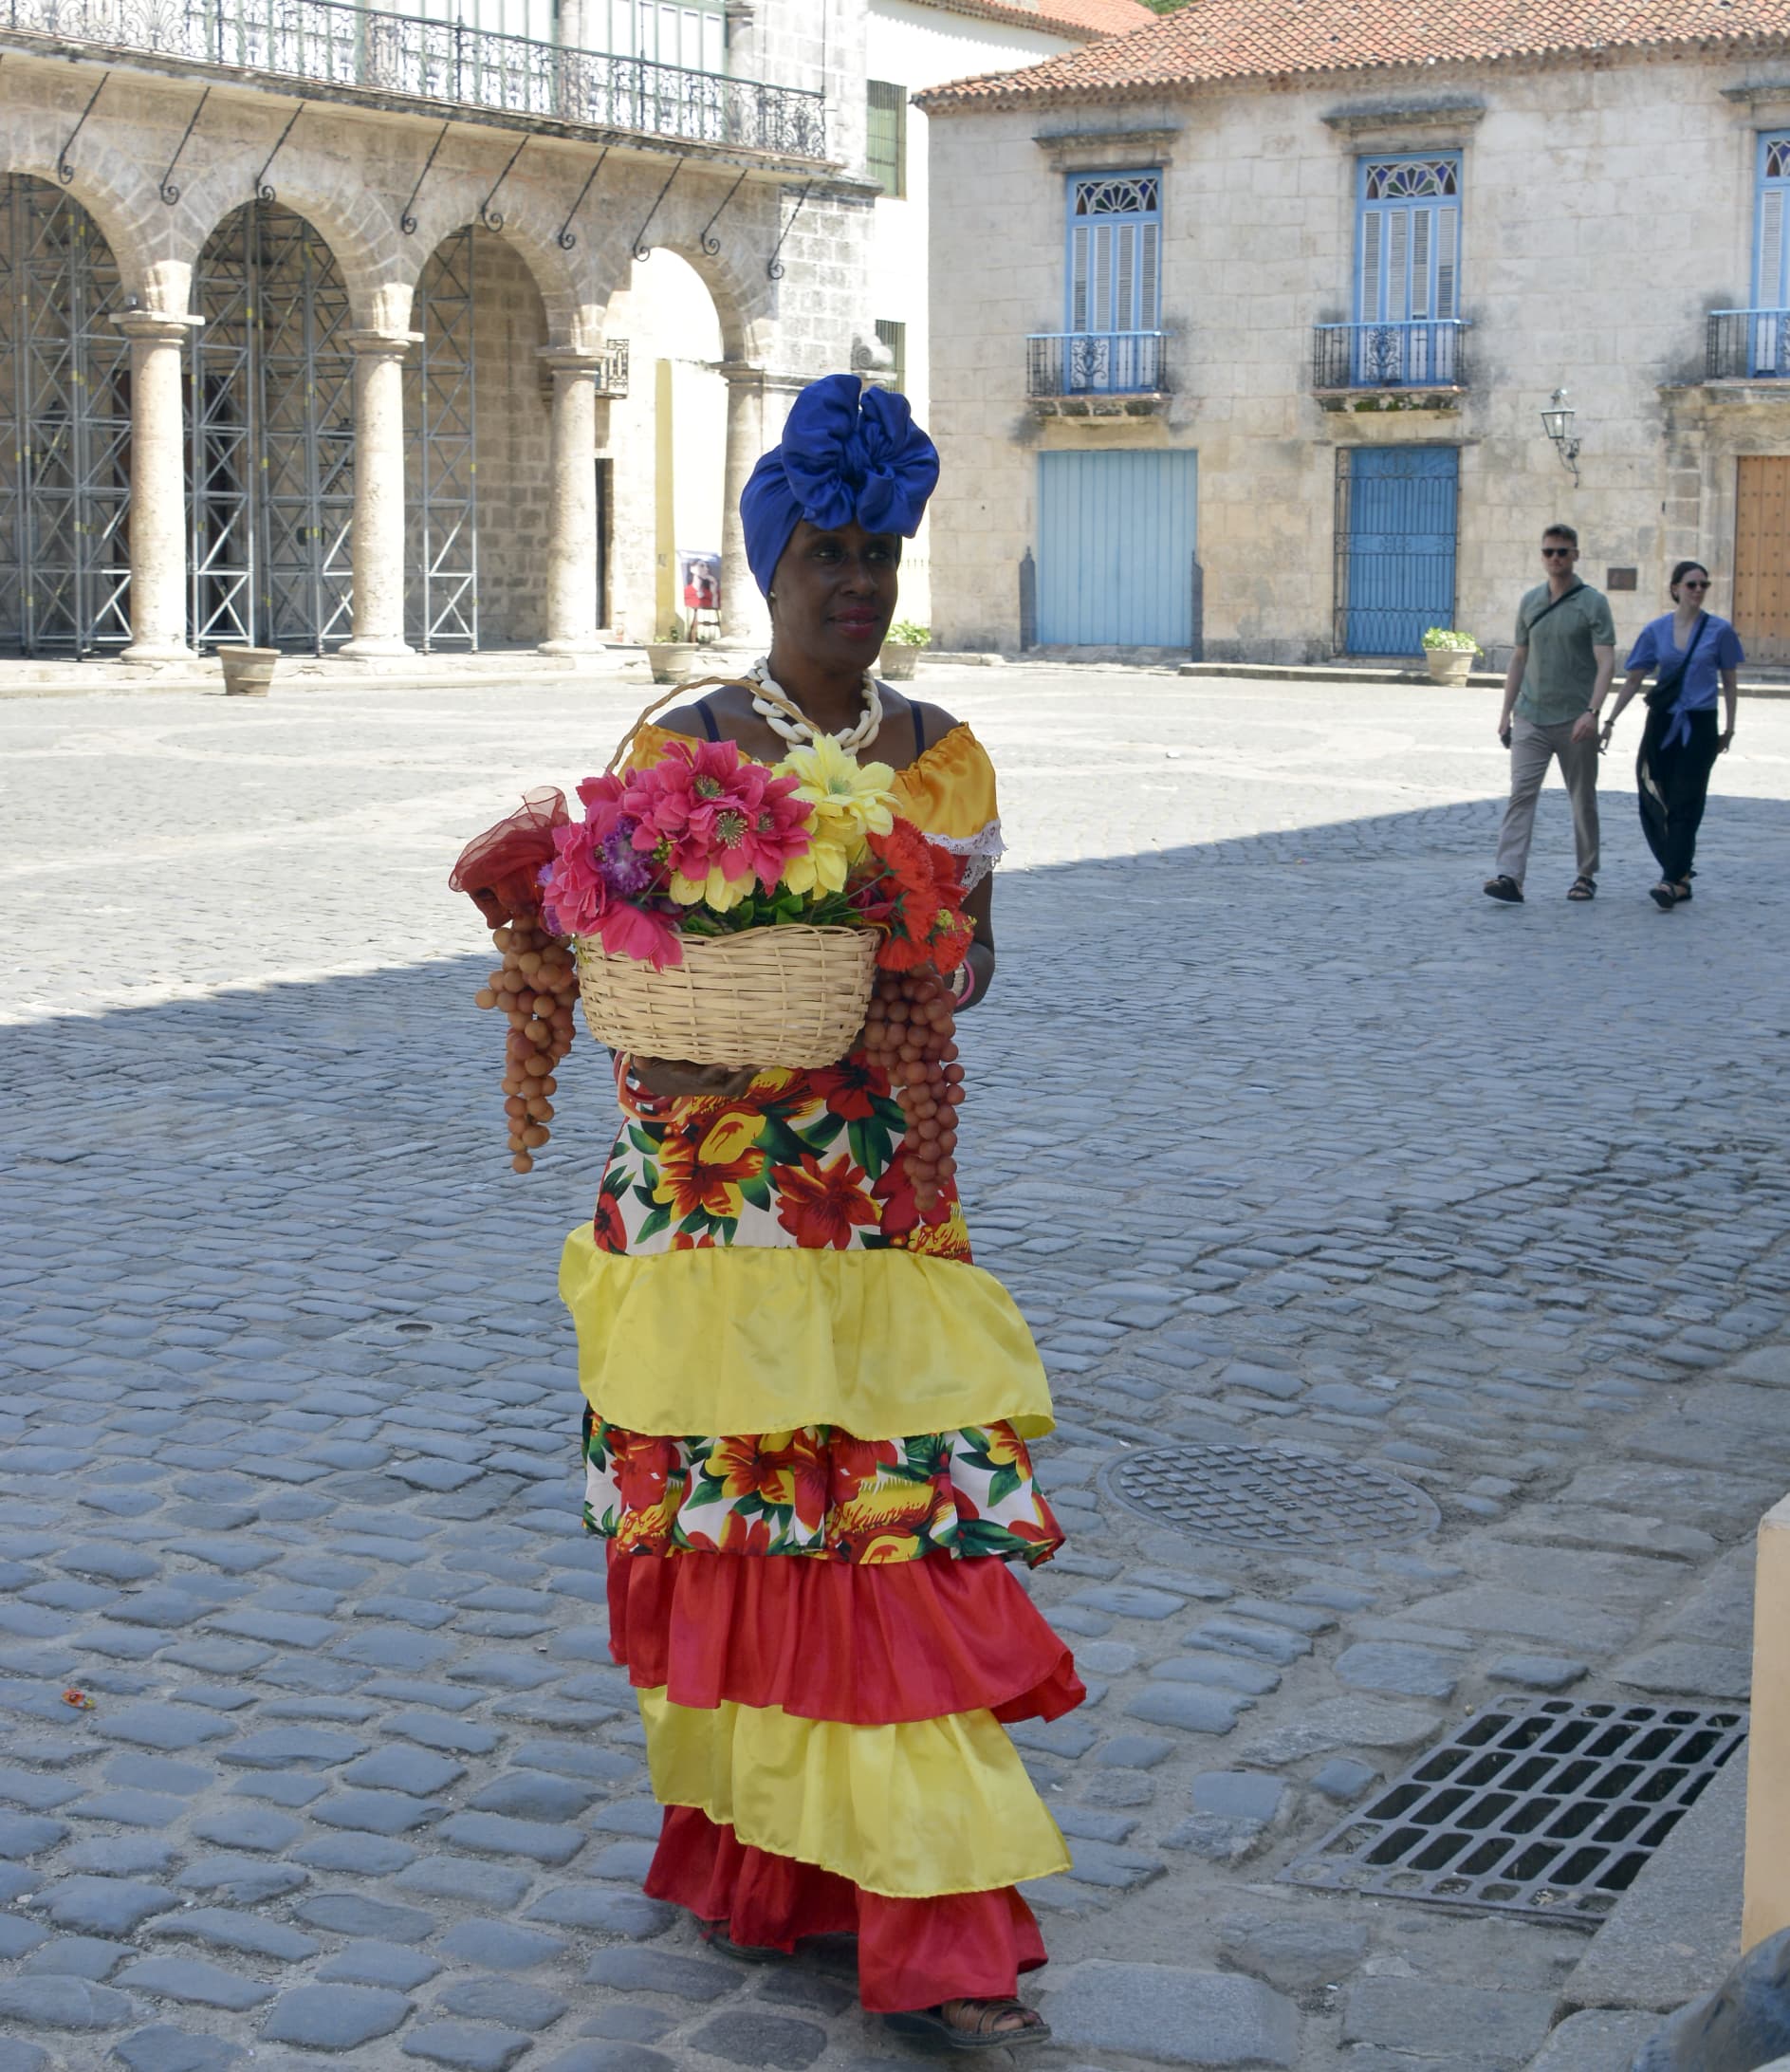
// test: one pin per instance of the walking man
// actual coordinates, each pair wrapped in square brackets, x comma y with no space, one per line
[1567,654]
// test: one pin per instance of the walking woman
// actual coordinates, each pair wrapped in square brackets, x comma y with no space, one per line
[808,1410]
[1688,651]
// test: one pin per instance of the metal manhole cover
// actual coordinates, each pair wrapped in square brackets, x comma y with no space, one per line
[1269,1496]
[396,1331]
[1536,1806]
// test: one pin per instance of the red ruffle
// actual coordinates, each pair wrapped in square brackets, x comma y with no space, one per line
[910,1952]
[870,1646]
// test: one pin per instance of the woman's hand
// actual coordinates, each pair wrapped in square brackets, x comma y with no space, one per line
[1724,741]
[672,1079]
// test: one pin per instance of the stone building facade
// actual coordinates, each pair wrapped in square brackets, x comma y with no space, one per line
[1349,258]
[304,333]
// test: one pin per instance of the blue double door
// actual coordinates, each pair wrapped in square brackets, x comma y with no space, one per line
[1116,534]
[1395,520]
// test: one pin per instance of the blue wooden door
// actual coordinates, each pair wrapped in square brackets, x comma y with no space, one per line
[1115,541]
[1396,515]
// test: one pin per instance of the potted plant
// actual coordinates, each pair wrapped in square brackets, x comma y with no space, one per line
[901,649]
[247,671]
[1449,654]
[673,656]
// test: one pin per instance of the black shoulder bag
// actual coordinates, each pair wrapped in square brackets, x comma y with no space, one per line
[1664,695]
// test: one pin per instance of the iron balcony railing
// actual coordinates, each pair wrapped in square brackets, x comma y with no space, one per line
[1428,353]
[336,43]
[1094,364]
[1749,346]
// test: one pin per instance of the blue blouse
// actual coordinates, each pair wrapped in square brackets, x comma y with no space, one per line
[1719,649]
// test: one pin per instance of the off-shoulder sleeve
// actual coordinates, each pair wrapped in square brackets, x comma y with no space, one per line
[949,794]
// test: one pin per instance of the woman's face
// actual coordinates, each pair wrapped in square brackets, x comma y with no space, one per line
[834,593]
[1692,588]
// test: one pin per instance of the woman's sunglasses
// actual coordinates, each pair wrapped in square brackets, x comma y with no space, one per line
[1691,583]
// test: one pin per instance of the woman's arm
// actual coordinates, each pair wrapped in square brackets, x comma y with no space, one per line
[979,907]
[1732,698]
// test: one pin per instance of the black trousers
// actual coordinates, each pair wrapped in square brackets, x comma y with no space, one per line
[1673,785]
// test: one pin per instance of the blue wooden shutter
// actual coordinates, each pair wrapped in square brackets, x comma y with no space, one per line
[1115,253]
[1409,239]
[1771,276]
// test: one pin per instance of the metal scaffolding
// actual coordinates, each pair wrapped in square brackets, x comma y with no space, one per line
[441,425]
[271,425]
[65,429]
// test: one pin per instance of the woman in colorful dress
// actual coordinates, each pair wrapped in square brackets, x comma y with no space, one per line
[807,1409]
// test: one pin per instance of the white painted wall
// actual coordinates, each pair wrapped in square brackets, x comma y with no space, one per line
[913,46]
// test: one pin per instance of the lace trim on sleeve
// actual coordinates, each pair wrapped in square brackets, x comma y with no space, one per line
[980,852]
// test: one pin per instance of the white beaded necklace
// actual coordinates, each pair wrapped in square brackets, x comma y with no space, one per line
[798,731]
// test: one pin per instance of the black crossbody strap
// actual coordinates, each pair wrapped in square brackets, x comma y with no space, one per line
[1552,604]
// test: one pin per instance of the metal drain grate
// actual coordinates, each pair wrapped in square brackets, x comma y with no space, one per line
[1269,1496]
[1537,1806]
[396,1331]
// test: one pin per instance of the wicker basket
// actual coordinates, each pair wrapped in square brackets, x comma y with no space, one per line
[792,996]
[788,995]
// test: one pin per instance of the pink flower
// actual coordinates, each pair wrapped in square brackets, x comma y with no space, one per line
[574,897]
[705,809]
[642,932]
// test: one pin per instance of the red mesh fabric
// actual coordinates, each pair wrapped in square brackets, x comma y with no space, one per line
[910,1952]
[837,1640]
[500,868]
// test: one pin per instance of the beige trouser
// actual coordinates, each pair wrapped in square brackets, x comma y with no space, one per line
[1532,748]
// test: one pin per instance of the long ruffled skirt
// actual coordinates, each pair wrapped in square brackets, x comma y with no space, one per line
[827,1739]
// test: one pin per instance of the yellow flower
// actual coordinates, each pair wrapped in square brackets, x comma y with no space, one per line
[823,869]
[848,800]
[715,891]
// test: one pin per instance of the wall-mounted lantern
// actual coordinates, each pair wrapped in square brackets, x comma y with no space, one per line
[1557,421]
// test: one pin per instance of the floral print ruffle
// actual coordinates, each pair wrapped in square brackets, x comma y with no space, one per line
[819,1490]
[808,1160]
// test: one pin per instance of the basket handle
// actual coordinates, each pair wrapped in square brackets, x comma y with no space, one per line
[762,693]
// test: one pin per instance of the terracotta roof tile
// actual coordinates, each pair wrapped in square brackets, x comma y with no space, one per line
[1214,40]
[1082,19]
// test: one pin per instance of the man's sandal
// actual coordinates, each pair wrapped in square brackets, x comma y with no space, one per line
[1582,888]
[1662,896]
[981,2025]
[1506,889]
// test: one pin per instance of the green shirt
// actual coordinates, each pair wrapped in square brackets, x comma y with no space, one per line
[1562,671]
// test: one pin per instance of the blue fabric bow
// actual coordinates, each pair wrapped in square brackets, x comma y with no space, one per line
[846,453]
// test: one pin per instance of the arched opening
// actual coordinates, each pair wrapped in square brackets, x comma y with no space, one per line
[667,449]
[477,421]
[65,429]
[271,420]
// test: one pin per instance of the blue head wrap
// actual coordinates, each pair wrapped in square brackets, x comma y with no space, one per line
[847,452]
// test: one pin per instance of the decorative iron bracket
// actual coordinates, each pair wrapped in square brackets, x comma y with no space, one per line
[170,193]
[65,172]
[493,219]
[775,269]
[407,222]
[709,243]
[262,192]
[642,250]
[567,237]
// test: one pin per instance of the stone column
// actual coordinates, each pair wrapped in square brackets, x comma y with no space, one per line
[378,540]
[743,618]
[158,486]
[572,601]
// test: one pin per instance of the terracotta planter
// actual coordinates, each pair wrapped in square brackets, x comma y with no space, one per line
[247,671]
[1450,665]
[895,663]
[670,660]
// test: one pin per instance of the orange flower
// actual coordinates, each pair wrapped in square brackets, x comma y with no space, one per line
[1005,1447]
[642,1467]
[781,1468]
[607,1227]
[822,1205]
[949,1238]
[704,1165]
[743,1535]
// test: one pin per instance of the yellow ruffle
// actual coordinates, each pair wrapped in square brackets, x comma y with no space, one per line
[912,1812]
[765,1338]
[949,791]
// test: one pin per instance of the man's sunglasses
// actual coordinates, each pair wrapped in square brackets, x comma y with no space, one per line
[1554,553]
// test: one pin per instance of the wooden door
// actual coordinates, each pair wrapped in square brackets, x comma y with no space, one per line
[1762,559]
[1116,545]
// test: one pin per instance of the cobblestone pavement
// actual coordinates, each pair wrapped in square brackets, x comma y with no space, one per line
[1281,1133]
